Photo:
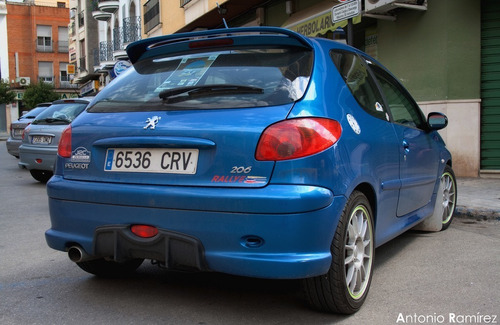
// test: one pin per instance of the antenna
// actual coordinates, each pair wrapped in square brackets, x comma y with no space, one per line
[222,12]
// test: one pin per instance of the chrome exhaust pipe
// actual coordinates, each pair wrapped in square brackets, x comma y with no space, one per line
[77,254]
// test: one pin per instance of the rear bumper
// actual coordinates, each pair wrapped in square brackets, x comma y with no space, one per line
[13,146]
[28,156]
[280,231]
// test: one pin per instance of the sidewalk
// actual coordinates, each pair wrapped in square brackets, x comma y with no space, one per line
[478,198]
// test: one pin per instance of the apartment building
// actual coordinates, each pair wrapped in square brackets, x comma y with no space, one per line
[37,34]
[83,39]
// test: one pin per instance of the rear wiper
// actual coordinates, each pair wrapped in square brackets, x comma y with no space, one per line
[185,93]
[50,120]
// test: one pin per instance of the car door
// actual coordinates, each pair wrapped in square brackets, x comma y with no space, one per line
[419,157]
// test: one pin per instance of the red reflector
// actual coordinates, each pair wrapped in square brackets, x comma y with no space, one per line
[38,161]
[297,138]
[64,148]
[144,231]
[211,43]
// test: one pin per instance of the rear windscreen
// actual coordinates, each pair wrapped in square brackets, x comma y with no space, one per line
[210,80]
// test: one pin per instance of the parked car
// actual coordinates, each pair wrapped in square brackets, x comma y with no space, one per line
[250,151]
[38,150]
[17,128]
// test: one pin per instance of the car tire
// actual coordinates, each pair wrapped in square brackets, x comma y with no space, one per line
[449,184]
[343,289]
[109,269]
[42,176]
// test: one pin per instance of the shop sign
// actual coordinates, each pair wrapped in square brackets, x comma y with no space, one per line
[320,23]
[345,11]
[89,87]
[119,68]
[68,95]
[70,68]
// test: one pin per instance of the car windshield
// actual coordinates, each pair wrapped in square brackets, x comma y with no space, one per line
[34,112]
[210,80]
[62,113]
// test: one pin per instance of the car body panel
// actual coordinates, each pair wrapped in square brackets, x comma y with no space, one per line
[175,130]
[288,208]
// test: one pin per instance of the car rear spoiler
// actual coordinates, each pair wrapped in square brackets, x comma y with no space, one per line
[240,36]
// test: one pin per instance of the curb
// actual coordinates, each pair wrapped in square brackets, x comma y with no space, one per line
[477,214]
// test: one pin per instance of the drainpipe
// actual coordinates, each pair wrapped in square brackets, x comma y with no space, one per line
[17,64]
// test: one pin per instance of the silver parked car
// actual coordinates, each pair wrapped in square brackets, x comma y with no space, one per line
[17,128]
[38,150]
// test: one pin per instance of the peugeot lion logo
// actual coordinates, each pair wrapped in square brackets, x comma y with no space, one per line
[151,122]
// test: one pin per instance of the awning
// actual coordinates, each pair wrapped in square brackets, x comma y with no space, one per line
[316,20]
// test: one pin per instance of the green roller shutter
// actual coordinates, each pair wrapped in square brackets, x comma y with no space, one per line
[490,84]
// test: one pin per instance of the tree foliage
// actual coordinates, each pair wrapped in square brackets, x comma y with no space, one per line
[6,94]
[39,92]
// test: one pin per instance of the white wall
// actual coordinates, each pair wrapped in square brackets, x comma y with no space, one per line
[4,50]
[463,133]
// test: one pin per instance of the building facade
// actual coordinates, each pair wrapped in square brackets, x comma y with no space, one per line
[34,48]
[83,39]
[120,23]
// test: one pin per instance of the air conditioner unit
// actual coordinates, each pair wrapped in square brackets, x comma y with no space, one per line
[384,6]
[23,81]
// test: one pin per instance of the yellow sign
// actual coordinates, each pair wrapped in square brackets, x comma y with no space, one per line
[70,68]
[318,24]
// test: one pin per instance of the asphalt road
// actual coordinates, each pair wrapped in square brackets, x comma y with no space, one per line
[451,277]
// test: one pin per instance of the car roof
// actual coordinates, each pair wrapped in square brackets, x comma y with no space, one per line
[71,100]
[46,104]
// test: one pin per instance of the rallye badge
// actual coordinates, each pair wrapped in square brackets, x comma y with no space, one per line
[239,179]
[152,121]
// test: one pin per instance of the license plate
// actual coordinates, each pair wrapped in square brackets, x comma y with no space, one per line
[41,139]
[18,132]
[152,160]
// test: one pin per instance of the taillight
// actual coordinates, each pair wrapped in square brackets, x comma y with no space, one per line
[24,131]
[64,148]
[296,138]
[144,231]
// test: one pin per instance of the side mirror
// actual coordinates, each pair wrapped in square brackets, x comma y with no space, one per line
[437,121]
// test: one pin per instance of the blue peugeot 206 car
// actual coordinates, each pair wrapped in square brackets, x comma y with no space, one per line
[250,151]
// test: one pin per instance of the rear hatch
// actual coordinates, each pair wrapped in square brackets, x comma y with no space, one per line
[191,110]
[17,127]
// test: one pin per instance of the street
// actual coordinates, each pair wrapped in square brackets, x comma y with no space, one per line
[419,278]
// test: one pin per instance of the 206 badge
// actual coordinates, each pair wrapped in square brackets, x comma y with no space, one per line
[151,122]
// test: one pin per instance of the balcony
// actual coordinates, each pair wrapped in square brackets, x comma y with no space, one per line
[44,44]
[46,79]
[108,6]
[184,2]
[63,46]
[130,31]
[65,82]
[105,51]
[101,15]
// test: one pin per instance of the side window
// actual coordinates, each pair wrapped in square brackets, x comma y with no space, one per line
[403,108]
[358,79]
